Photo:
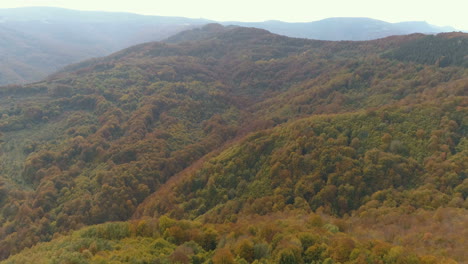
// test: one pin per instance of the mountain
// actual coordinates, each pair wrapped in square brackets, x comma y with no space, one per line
[241,146]
[37,41]
[345,28]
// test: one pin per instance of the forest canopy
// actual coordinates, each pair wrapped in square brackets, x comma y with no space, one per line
[241,147]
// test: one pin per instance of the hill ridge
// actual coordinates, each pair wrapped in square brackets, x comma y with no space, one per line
[63,36]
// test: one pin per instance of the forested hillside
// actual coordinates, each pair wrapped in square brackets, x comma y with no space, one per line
[38,41]
[235,145]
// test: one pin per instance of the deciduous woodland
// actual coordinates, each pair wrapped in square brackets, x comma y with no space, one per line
[235,145]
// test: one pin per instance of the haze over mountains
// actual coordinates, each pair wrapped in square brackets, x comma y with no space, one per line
[236,145]
[37,41]
[345,28]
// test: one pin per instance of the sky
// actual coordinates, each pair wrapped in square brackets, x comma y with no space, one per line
[441,13]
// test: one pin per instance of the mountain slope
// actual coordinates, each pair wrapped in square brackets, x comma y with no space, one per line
[238,123]
[293,236]
[37,41]
[333,161]
[47,39]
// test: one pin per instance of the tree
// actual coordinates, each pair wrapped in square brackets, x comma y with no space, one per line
[223,256]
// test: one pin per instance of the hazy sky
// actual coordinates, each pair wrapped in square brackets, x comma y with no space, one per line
[437,12]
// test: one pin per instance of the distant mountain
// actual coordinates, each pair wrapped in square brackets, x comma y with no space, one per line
[344,28]
[37,41]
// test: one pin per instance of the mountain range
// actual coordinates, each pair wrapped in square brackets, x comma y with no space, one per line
[236,145]
[38,41]
[345,28]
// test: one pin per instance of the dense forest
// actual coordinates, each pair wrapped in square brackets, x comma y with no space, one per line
[236,145]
